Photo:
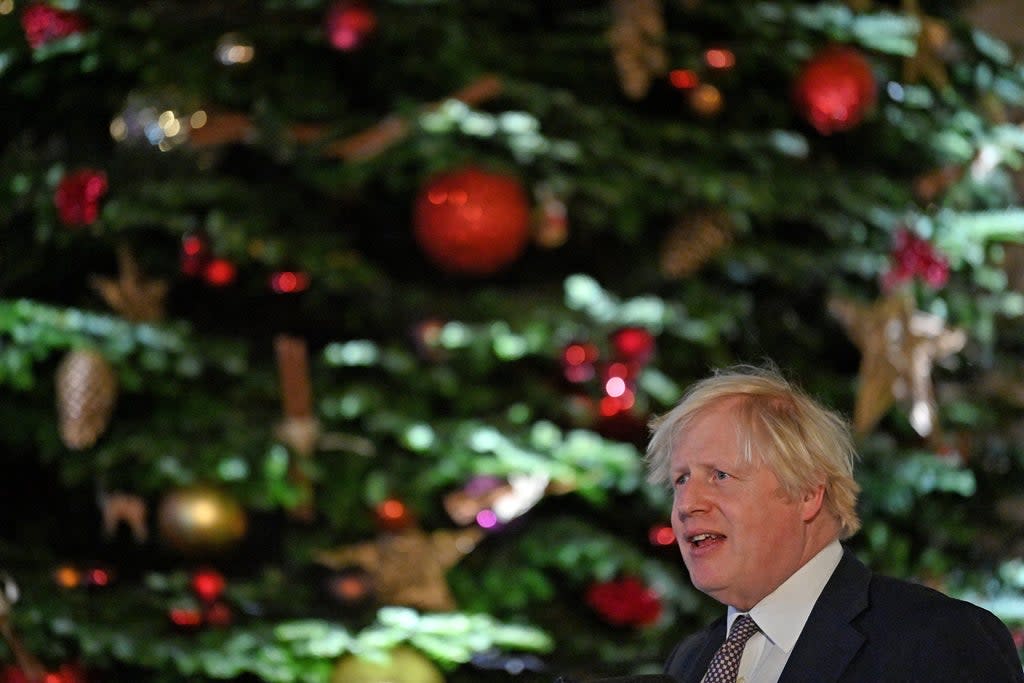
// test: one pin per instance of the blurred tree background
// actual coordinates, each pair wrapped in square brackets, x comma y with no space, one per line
[330,330]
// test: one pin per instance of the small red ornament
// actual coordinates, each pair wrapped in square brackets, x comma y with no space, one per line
[66,673]
[78,196]
[835,89]
[348,24]
[661,535]
[350,586]
[913,256]
[633,345]
[195,254]
[208,584]
[579,361]
[289,282]
[218,615]
[188,618]
[220,272]
[550,221]
[426,339]
[625,602]
[393,515]
[471,221]
[44,24]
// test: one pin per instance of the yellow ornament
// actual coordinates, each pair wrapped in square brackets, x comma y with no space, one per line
[201,520]
[402,665]
[706,100]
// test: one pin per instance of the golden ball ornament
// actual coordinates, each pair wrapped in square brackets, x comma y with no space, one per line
[403,665]
[706,100]
[201,520]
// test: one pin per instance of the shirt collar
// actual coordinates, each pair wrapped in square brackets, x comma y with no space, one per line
[781,614]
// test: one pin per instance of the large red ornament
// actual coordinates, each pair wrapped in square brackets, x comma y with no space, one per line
[78,196]
[835,89]
[348,23]
[471,221]
[625,602]
[44,24]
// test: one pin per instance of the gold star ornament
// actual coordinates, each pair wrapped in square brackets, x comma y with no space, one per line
[131,296]
[408,567]
[899,345]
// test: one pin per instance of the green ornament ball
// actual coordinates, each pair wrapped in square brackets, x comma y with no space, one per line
[403,665]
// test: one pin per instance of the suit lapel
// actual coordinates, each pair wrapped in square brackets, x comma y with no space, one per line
[829,640]
[699,663]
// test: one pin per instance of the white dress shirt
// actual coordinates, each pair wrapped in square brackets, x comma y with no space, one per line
[781,616]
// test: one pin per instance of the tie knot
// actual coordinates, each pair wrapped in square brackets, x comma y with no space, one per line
[742,629]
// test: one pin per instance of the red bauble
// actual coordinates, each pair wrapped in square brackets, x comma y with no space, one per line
[579,361]
[195,254]
[835,89]
[913,256]
[289,281]
[218,615]
[393,515]
[633,345]
[67,673]
[208,584]
[472,222]
[625,602]
[186,618]
[43,24]
[220,272]
[78,196]
[348,23]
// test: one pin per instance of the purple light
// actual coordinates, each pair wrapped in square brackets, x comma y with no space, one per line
[487,519]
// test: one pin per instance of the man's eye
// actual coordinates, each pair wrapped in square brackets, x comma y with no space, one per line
[682,479]
[720,475]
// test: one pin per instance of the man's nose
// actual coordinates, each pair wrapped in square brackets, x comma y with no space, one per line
[691,498]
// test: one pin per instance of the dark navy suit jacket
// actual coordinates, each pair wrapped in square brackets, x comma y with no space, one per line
[867,628]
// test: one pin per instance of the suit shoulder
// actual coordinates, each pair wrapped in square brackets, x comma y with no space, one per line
[928,613]
[907,595]
[946,639]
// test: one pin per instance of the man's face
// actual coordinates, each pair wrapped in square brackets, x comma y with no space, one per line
[739,534]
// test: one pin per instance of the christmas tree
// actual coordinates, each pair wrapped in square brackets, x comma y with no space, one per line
[330,330]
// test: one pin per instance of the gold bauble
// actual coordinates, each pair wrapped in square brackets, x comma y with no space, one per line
[404,665]
[706,100]
[201,520]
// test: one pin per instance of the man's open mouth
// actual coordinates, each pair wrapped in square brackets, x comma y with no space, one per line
[700,539]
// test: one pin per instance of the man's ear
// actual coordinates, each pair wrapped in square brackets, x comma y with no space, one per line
[812,501]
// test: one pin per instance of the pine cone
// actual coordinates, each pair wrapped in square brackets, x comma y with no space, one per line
[86,392]
[636,38]
[693,242]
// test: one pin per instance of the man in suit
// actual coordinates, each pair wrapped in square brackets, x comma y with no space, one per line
[763,493]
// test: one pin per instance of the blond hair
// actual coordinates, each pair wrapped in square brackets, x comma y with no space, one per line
[804,443]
